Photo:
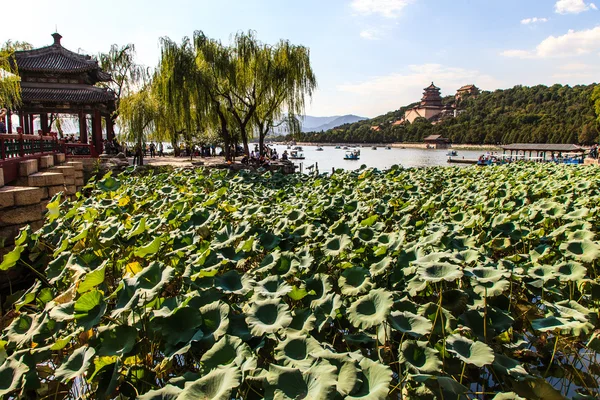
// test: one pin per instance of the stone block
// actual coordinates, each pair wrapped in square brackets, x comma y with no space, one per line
[28,167]
[7,197]
[59,159]
[1,177]
[21,215]
[78,174]
[71,189]
[25,196]
[66,170]
[52,190]
[69,180]
[78,165]
[79,182]
[46,162]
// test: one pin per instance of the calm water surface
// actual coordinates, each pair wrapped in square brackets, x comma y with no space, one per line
[381,158]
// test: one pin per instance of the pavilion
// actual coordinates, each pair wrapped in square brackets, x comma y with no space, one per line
[56,80]
[542,149]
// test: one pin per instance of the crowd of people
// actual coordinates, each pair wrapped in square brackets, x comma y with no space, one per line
[264,159]
[594,151]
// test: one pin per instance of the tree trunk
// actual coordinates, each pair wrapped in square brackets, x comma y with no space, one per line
[261,142]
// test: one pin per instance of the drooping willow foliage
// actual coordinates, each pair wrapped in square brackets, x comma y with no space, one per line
[10,83]
[422,283]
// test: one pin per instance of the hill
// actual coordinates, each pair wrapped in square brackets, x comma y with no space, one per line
[319,124]
[538,114]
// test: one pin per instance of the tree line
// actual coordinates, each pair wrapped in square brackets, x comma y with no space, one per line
[538,114]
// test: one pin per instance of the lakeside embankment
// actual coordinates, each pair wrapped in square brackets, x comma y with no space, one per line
[405,145]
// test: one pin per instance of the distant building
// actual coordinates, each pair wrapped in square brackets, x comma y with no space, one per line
[467,90]
[431,105]
[437,142]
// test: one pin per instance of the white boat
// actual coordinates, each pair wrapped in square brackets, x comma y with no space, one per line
[319,149]
[373,148]
[298,148]
[296,155]
[352,155]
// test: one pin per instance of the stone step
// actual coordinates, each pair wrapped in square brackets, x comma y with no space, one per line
[42,179]
[1,177]
[65,169]
[59,158]
[20,196]
[28,167]
[46,162]
[21,215]
[78,165]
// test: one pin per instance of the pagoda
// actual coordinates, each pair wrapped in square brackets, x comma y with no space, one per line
[431,97]
[57,80]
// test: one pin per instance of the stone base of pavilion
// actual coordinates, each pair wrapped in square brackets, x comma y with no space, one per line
[212,162]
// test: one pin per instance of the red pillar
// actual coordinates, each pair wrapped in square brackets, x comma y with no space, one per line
[97,131]
[26,123]
[9,122]
[31,124]
[44,123]
[82,128]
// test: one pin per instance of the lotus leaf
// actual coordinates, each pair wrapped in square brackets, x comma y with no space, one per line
[76,365]
[11,372]
[227,350]
[354,281]
[436,272]
[272,286]
[89,309]
[407,322]
[215,320]
[508,366]
[169,392]
[25,329]
[336,245]
[317,382]
[317,288]
[371,309]
[233,282]
[375,379]
[584,250]
[470,352]
[508,396]
[303,319]
[381,266]
[216,385]
[116,340]
[295,351]
[268,316]
[419,357]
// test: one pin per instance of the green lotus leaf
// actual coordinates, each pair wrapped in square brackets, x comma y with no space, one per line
[215,320]
[76,365]
[216,385]
[508,366]
[317,287]
[303,320]
[365,234]
[354,281]
[348,371]
[407,322]
[336,245]
[229,349]
[549,324]
[116,340]
[272,286]
[371,309]
[181,326]
[169,392]
[442,386]
[491,288]
[109,184]
[317,382]
[584,250]
[295,351]
[381,266]
[439,272]
[470,352]
[238,327]
[419,357]
[542,272]
[89,309]
[508,396]
[581,234]
[486,274]
[570,271]
[11,373]
[26,328]
[269,241]
[268,316]
[233,282]
[375,381]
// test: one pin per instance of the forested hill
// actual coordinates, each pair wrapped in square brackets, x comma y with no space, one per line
[539,114]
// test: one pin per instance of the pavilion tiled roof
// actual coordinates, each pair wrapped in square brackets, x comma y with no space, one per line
[543,147]
[432,86]
[85,95]
[56,59]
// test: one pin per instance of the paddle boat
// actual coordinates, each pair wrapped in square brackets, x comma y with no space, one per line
[298,148]
[296,155]
[452,153]
[373,148]
[338,147]
[319,149]
[352,155]
[388,148]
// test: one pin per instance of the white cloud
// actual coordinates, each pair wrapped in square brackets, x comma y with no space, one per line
[534,20]
[573,43]
[576,67]
[573,6]
[370,34]
[387,8]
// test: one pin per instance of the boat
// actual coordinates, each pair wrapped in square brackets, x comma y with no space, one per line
[352,155]
[319,149]
[388,148]
[296,155]
[338,147]
[345,147]
[298,148]
[452,153]
[373,148]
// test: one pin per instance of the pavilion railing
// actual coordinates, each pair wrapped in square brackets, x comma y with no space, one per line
[79,150]
[13,146]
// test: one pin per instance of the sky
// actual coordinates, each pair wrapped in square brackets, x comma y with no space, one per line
[370,56]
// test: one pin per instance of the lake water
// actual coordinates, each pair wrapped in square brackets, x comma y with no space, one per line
[381,158]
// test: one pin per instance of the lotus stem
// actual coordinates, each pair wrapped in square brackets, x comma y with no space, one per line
[485,316]
[553,354]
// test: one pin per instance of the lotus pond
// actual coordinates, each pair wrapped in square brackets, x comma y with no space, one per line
[446,283]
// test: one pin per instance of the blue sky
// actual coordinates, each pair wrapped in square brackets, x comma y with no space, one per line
[370,56]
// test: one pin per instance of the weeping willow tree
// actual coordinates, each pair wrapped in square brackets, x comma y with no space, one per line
[287,79]
[138,115]
[10,83]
